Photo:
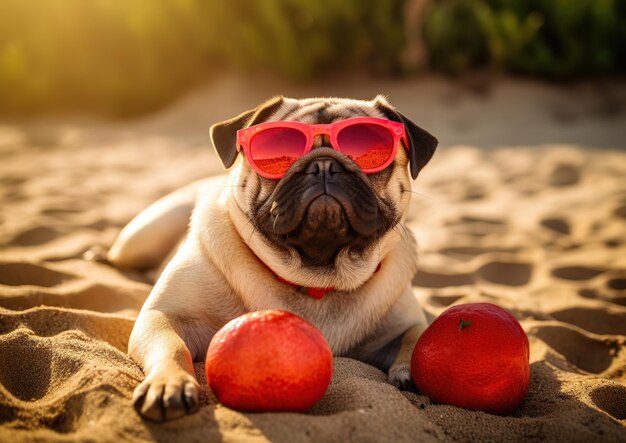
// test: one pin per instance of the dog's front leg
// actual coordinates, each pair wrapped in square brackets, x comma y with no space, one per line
[170,389]
[175,327]
[400,370]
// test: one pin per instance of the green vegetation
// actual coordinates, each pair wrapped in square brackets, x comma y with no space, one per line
[303,39]
[545,38]
[125,57]
[117,56]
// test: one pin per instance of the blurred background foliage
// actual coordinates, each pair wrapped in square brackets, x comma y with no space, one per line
[125,57]
[545,38]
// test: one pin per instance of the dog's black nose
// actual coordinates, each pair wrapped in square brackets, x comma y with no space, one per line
[324,167]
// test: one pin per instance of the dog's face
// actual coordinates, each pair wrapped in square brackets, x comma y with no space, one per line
[325,223]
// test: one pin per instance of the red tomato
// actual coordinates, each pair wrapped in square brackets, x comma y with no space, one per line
[474,356]
[269,361]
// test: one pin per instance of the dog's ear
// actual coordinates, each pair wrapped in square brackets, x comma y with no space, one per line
[224,134]
[422,144]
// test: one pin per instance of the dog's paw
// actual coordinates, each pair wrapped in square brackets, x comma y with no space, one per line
[161,397]
[400,376]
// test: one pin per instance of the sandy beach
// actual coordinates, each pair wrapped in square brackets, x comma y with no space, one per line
[523,206]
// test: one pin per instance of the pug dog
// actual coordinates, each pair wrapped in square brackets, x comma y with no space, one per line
[309,220]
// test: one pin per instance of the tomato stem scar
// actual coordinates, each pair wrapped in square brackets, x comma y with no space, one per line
[464,324]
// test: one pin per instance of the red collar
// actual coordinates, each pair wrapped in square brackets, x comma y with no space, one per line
[316,293]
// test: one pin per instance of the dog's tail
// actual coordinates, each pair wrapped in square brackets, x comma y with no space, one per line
[150,237]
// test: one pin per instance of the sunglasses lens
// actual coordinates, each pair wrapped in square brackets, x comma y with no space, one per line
[368,145]
[274,150]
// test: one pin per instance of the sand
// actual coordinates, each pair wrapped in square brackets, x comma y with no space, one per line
[537,228]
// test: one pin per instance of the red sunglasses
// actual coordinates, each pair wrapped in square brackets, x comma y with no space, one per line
[272,147]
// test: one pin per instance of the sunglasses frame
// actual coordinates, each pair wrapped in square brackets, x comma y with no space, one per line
[396,129]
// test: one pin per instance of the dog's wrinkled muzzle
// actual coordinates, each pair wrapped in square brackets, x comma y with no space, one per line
[322,206]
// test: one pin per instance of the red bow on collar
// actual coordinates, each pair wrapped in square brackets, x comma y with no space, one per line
[316,293]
